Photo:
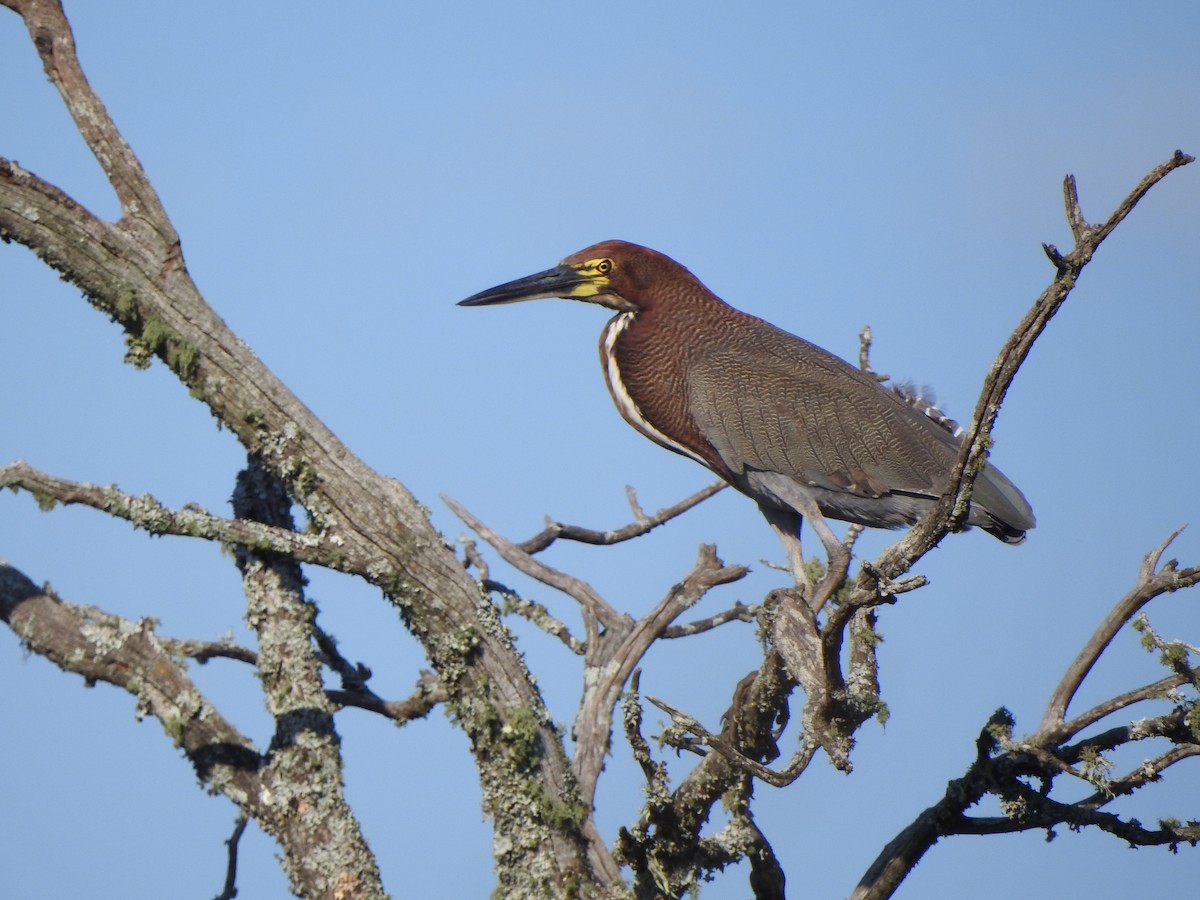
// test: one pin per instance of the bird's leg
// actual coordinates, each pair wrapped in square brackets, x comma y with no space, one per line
[836,552]
[834,548]
[786,526]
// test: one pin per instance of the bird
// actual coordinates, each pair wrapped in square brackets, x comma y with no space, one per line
[795,428]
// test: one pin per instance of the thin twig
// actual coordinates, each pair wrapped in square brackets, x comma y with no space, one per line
[1147,692]
[537,614]
[1151,583]
[230,890]
[655,772]
[641,525]
[203,651]
[429,693]
[1172,653]
[595,608]
[475,558]
[776,778]
[739,612]
[864,355]
[1148,772]
[639,514]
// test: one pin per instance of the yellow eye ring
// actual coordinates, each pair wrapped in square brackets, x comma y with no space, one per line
[604,266]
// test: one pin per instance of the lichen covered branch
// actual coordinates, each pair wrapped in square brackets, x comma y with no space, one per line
[151,516]
[1005,767]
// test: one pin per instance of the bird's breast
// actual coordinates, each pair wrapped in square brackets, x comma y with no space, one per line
[641,388]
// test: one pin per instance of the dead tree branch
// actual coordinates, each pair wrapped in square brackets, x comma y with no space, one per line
[641,524]
[1152,582]
[739,612]
[231,844]
[418,705]
[147,514]
[1004,767]
[133,271]
[102,647]
[615,644]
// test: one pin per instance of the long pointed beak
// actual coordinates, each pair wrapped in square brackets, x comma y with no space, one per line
[561,281]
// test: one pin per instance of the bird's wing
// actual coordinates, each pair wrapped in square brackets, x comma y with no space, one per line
[805,414]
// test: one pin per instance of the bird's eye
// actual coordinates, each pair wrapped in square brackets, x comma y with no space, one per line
[604,266]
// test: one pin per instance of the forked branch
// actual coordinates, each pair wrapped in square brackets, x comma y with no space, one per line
[1152,582]
[1004,766]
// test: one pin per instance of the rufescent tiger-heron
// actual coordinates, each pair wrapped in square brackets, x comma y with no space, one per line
[786,423]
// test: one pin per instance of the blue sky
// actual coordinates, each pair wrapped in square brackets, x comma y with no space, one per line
[341,178]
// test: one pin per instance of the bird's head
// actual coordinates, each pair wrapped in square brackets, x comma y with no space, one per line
[616,274]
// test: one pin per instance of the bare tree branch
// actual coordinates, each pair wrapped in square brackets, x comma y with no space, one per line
[641,524]
[865,339]
[230,889]
[615,643]
[1155,690]
[429,693]
[611,662]
[141,209]
[148,514]
[1172,653]
[203,651]
[739,612]
[1152,582]
[104,647]
[597,611]
[537,614]
[950,511]
[132,271]
[1003,766]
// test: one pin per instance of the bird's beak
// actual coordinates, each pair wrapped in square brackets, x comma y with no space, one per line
[561,281]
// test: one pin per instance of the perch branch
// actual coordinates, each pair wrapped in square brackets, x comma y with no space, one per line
[950,511]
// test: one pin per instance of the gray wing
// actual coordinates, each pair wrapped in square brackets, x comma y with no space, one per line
[804,413]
